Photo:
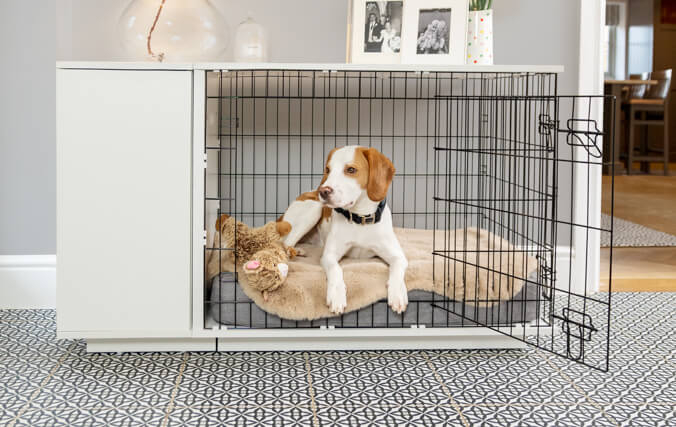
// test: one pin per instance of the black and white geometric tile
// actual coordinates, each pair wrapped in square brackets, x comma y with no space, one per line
[632,235]
[50,382]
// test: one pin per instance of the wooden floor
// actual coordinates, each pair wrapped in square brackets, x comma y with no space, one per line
[648,200]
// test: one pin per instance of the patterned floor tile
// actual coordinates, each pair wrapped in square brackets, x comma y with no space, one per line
[34,316]
[648,415]
[375,378]
[135,416]
[19,379]
[32,340]
[247,416]
[503,387]
[349,414]
[516,377]
[535,415]
[635,375]
[249,378]
[102,380]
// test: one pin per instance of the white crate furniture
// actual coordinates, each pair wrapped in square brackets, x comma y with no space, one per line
[131,214]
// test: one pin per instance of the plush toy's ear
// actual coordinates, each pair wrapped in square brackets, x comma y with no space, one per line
[220,222]
[283,228]
[381,172]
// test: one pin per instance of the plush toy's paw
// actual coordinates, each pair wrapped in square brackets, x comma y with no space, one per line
[397,297]
[336,298]
[300,252]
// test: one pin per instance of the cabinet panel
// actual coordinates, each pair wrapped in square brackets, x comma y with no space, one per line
[123,200]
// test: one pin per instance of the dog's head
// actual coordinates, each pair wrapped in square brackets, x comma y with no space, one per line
[354,172]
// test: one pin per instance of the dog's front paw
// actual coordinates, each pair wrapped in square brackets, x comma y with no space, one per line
[397,297]
[336,298]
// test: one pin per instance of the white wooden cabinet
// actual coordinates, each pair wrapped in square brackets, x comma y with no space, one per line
[130,144]
[124,203]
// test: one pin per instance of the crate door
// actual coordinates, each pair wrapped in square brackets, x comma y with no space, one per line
[518,214]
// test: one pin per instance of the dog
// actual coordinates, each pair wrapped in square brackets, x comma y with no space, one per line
[349,216]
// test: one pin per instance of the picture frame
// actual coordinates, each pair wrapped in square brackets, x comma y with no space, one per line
[435,32]
[374,31]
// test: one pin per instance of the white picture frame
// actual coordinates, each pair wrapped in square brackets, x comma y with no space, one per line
[375,53]
[418,24]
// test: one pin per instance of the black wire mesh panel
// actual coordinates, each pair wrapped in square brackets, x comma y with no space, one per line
[484,150]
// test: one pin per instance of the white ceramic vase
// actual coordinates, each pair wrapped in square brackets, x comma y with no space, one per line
[251,42]
[480,37]
[179,31]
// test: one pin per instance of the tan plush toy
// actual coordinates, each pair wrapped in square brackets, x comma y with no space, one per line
[267,269]
[259,251]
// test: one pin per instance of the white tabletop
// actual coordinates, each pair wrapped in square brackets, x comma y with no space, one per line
[309,66]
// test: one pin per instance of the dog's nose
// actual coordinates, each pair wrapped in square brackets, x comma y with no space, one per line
[325,191]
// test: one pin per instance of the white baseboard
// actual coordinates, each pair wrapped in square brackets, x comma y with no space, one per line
[27,281]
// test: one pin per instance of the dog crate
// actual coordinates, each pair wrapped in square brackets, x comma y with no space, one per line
[150,155]
[497,151]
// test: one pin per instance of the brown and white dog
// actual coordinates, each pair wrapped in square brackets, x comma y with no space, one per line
[351,219]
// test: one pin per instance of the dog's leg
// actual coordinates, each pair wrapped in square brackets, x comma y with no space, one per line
[303,214]
[336,292]
[392,254]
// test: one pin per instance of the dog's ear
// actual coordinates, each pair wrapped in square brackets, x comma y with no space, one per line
[220,222]
[283,228]
[381,172]
[328,159]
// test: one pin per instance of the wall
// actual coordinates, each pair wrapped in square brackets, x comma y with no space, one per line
[27,127]
[300,31]
[539,33]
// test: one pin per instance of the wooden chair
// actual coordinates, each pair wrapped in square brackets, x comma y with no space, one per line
[652,107]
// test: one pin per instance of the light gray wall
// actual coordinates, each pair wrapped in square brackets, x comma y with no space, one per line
[537,32]
[526,32]
[27,127]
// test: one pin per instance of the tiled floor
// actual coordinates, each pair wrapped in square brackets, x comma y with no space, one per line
[44,381]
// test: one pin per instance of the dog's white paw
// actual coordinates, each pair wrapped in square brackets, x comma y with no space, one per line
[336,298]
[397,297]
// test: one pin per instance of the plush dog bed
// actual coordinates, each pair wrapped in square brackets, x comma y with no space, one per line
[490,292]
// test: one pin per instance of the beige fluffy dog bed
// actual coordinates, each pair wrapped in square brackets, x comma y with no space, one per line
[303,296]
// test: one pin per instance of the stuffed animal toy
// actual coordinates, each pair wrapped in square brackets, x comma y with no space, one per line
[259,251]
[267,269]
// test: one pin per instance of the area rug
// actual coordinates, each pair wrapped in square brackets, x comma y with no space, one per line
[627,234]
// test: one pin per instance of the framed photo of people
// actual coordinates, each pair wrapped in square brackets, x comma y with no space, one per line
[407,31]
[374,31]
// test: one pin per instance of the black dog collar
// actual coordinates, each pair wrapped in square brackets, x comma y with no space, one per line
[373,218]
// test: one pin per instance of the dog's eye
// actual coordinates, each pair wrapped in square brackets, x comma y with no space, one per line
[351,170]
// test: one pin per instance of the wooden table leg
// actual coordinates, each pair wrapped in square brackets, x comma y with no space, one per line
[619,167]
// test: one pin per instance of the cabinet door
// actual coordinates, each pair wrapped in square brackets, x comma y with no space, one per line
[123,203]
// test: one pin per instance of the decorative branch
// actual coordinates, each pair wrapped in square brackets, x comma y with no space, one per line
[160,56]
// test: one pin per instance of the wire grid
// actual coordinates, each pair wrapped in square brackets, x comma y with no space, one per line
[485,150]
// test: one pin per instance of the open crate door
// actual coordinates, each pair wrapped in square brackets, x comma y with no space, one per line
[529,172]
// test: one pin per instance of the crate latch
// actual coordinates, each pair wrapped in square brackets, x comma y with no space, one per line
[578,327]
[584,133]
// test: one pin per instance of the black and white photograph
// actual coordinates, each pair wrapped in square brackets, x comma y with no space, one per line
[382,28]
[433,31]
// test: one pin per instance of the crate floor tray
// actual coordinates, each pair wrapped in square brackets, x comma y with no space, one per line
[479,270]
